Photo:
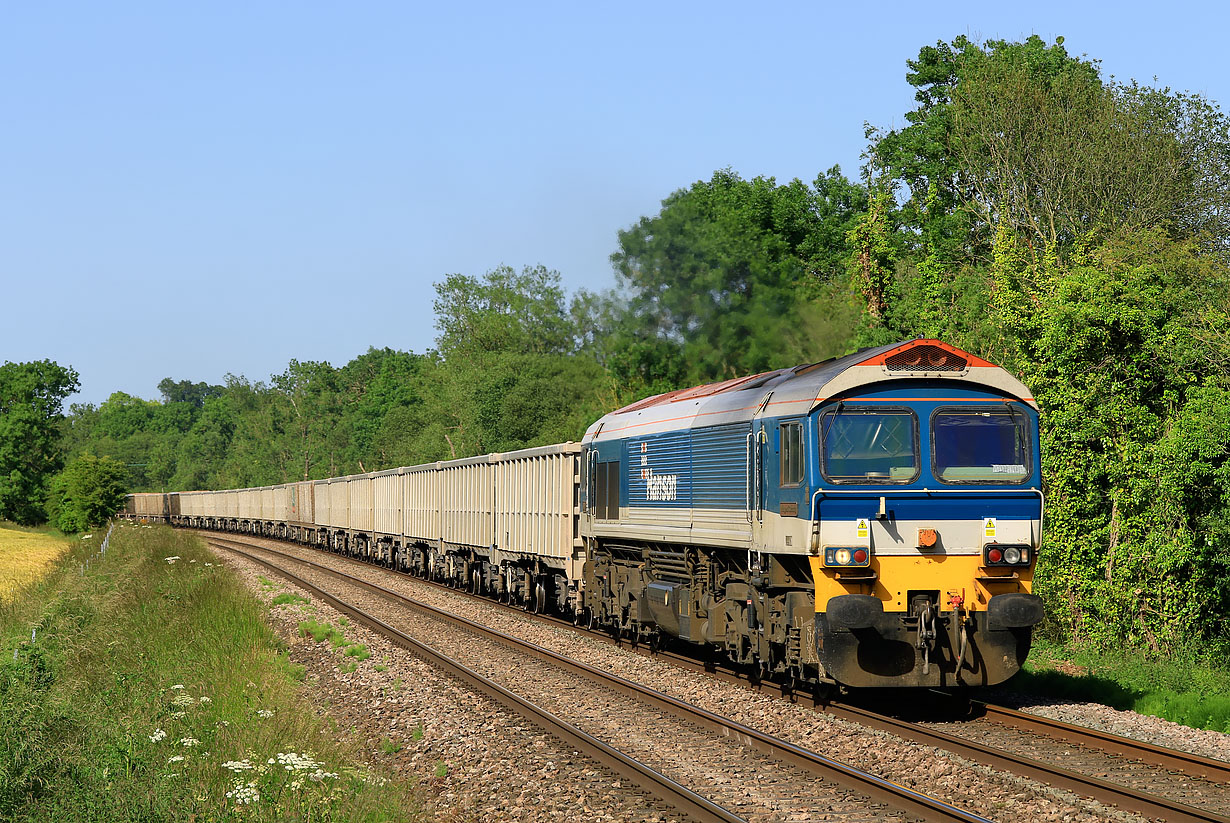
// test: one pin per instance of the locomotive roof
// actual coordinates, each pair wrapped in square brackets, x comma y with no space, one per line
[801,389]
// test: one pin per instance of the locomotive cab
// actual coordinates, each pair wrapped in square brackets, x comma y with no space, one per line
[926,522]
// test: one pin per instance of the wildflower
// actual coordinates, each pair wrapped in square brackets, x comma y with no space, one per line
[183,700]
[86,536]
[244,793]
[171,559]
[177,687]
[189,742]
[205,700]
[224,723]
[176,759]
[178,715]
[296,784]
[266,713]
[238,766]
[158,734]
[320,774]
[293,761]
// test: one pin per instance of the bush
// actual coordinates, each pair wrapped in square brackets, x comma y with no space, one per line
[86,494]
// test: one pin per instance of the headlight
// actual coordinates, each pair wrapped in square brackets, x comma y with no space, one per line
[998,554]
[838,556]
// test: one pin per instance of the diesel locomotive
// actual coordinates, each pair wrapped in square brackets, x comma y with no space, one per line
[871,520]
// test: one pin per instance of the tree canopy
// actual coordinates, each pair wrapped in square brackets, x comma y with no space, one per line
[31,404]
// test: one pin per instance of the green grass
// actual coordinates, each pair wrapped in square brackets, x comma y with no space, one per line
[1184,688]
[358,651]
[289,598]
[441,769]
[145,678]
[389,746]
[320,632]
[417,733]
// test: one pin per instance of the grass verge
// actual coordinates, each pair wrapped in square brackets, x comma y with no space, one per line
[1184,690]
[154,690]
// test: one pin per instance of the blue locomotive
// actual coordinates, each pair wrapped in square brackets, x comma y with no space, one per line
[871,520]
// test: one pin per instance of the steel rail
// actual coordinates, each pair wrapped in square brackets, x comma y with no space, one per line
[679,797]
[1087,786]
[874,787]
[1170,759]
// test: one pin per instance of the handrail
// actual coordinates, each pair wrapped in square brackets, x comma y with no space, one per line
[748,479]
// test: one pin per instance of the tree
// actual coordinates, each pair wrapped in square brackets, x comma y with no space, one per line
[514,370]
[31,402]
[717,277]
[86,493]
[185,391]
[1027,135]
[924,156]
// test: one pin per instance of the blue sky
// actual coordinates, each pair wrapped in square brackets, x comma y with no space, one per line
[188,191]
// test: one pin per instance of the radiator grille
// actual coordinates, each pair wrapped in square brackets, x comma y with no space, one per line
[925,358]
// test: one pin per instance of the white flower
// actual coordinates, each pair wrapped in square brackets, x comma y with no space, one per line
[183,700]
[321,774]
[292,761]
[265,713]
[189,742]
[171,559]
[178,715]
[244,793]
[238,766]
[191,561]
[224,722]
[158,734]
[205,700]
[175,759]
[86,536]
[177,687]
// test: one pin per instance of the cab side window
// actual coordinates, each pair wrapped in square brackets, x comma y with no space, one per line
[792,454]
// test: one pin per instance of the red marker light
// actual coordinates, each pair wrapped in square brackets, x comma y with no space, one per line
[995,555]
[860,556]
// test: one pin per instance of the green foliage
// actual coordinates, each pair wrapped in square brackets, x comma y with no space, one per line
[289,598]
[86,493]
[320,632]
[715,280]
[31,400]
[871,262]
[1193,689]
[1136,438]
[144,680]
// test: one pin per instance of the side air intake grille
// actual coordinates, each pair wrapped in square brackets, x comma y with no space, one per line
[925,358]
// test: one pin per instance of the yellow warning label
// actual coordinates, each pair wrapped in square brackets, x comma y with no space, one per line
[863,528]
[988,527]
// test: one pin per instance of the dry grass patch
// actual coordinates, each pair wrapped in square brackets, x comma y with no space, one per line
[26,555]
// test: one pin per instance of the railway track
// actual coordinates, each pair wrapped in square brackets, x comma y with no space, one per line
[804,778]
[1095,746]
